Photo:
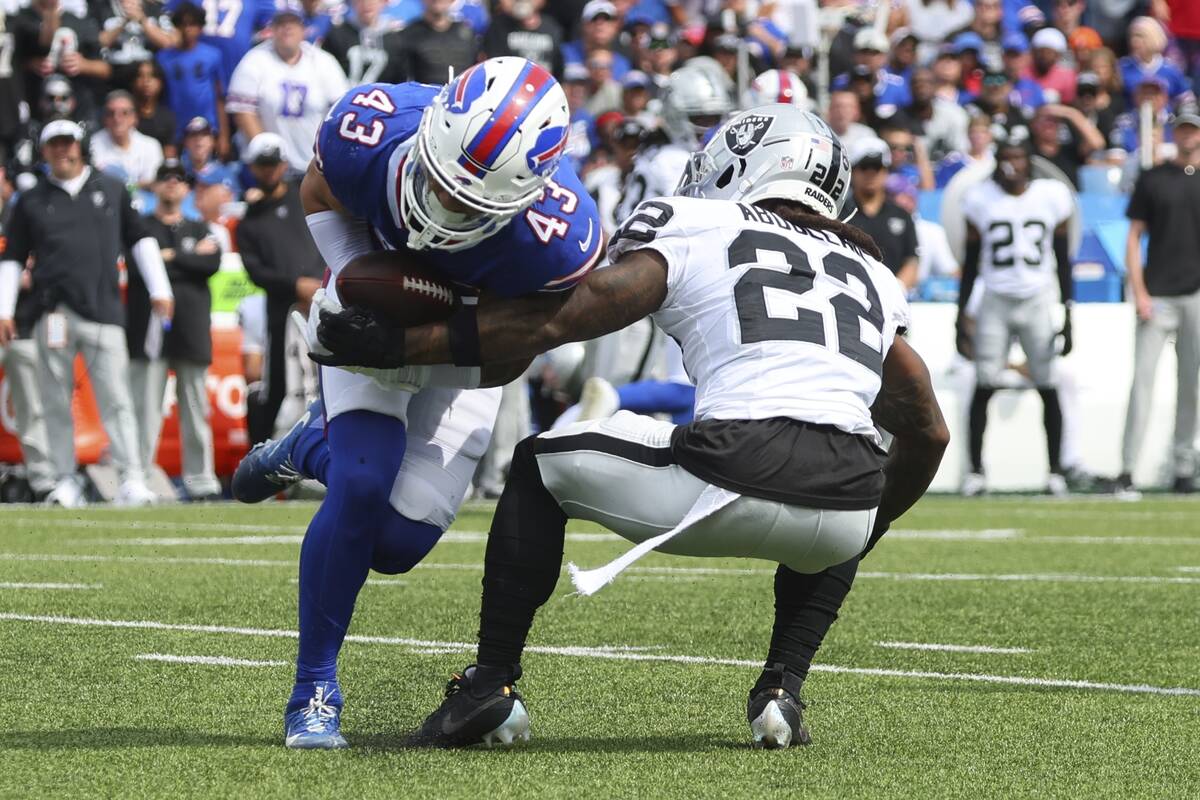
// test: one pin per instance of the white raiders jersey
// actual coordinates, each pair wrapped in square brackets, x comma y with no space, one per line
[774,320]
[1016,257]
[656,173]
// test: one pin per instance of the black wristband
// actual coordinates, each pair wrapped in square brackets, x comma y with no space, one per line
[464,337]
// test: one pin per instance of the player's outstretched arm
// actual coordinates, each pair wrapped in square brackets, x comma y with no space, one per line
[499,331]
[908,409]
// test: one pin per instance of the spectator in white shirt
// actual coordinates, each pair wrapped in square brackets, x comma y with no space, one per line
[843,116]
[285,86]
[121,150]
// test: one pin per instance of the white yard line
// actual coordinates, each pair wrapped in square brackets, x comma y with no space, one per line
[954,648]
[1188,569]
[49,586]
[953,577]
[614,654]
[213,661]
[959,534]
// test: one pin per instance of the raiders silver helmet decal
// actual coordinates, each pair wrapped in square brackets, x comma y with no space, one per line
[745,134]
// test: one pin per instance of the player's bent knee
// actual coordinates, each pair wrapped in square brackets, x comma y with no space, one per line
[402,545]
[362,487]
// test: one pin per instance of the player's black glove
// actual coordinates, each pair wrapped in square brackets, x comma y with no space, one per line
[357,337]
[1065,333]
[964,336]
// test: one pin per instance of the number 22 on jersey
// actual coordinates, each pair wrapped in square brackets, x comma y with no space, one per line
[772,307]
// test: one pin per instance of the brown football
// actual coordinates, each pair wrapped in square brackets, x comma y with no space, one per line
[396,284]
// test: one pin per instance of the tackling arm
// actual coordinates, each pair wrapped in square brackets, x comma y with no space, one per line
[908,409]
[607,300]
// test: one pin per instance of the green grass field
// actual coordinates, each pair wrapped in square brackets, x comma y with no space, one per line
[1085,681]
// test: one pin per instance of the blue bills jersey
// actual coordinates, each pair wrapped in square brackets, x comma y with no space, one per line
[229,26]
[360,148]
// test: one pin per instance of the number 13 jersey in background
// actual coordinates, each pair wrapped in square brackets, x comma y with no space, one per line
[774,320]
[1016,257]
[360,147]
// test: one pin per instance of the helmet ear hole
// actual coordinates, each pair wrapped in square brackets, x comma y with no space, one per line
[725,177]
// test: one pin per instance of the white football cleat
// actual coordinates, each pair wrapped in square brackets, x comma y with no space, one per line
[974,484]
[134,493]
[1056,485]
[66,494]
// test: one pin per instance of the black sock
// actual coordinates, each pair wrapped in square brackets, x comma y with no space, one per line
[523,561]
[805,608]
[1052,418]
[979,404]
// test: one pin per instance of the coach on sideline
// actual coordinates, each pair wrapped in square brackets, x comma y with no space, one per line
[76,222]
[1166,295]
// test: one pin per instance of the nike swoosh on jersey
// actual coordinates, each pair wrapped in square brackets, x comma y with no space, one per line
[586,243]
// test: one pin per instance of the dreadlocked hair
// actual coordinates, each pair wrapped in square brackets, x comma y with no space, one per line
[797,214]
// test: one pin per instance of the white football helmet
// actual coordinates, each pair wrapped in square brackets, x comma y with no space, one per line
[773,151]
[488,144]
[697,98]
[778,86]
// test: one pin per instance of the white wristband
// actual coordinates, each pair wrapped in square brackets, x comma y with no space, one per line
[10,286]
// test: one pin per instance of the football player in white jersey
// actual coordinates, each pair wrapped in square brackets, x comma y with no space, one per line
[1017,247]
[788,324]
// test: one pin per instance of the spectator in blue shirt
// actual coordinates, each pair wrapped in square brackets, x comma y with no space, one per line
[1147,41]
[193,73]
[199,152]
[870,53]
[581,131]
[1016,66]
[232,29]
[1125,133]
[316,22]
[904,54]
[600,28]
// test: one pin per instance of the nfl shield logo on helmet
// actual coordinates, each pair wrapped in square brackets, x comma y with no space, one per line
[547,150]
[744,134]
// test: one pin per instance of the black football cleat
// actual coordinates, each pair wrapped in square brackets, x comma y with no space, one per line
[476,712]
[775,712]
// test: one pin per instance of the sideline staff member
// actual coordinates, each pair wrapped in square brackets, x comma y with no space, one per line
[75,222]
[1166,294]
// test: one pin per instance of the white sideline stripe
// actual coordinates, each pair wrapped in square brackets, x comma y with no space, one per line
[1040,577]
[1036,577]
[954,648]
[374,581]
[1188,569]
[214,661]
[615,654]
[959,534]
[293,534]
[49,586]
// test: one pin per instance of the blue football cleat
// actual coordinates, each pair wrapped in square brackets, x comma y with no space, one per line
[268,469]
[316,726]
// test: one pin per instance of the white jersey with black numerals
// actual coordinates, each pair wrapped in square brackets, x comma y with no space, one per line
[1016,256]
[774,320]
[656,173]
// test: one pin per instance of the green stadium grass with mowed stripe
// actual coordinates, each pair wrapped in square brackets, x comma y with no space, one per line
[1000,648]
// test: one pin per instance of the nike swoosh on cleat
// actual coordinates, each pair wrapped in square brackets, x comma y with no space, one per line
[586,243]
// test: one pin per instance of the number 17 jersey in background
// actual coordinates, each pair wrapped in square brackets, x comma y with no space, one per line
[774,320]
[360,148]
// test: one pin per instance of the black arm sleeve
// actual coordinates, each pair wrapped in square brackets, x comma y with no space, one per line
[970,271]
[1066,278]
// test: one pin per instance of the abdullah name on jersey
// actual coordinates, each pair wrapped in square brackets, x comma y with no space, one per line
[360,147]
[656,172]
[1017,232]
[775,320]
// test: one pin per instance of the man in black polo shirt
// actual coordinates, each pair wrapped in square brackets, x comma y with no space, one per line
[192,256]
[280,256]
[436,42]
[76,222]
[1166,294]
[888,224]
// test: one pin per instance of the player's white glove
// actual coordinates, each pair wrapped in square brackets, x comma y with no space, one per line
[405,379]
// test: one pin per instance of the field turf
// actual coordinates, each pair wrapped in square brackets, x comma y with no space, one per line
[1080,677]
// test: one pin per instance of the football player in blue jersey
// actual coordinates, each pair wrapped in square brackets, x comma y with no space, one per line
[470,175]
